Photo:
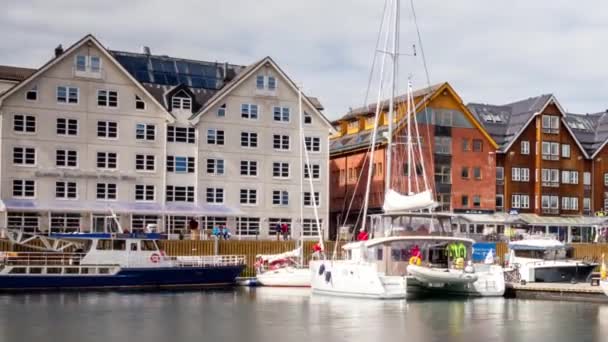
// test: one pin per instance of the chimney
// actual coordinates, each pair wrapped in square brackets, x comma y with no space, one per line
[145,50]
[58,50]
[225,69]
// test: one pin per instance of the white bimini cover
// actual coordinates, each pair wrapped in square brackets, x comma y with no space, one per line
[394,201]
[274,257]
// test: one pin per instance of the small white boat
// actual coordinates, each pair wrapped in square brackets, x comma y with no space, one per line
[427,275]
[282,270]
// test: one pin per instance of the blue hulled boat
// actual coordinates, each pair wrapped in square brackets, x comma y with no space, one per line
[115,263]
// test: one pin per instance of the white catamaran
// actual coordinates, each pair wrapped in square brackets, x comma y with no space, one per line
[391,264]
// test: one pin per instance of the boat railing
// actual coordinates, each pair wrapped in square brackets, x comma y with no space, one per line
[40,259]
[208,260]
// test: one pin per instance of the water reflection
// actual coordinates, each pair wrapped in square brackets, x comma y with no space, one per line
[266,314]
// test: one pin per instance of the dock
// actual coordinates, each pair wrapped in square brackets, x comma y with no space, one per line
[556,291]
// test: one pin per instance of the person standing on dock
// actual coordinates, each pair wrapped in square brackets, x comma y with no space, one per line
[277,229]
[284,229]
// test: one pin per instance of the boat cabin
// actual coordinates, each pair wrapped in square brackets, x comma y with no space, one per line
[392,255]
[536,250]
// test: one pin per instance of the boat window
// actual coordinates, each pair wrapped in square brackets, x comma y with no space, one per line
[53,270]
[148,245]
[104,270]
[35,270]
[85,270]
[119,245]
[104,245]
[17,270]
[379,254]
[400,254]
[71,270]
[134,246]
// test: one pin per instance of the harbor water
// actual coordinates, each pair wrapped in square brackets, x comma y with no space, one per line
[270,314]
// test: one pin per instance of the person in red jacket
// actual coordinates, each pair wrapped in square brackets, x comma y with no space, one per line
[362,236]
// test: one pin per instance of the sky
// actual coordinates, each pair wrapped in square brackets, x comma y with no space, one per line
[490,51]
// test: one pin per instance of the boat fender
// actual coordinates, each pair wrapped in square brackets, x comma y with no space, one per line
[321,269]
[415,261]
[327,276]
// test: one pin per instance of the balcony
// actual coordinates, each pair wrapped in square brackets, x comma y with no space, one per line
[550,184]
[550,211]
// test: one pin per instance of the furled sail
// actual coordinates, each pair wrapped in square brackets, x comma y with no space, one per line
[394,201]
[270,258]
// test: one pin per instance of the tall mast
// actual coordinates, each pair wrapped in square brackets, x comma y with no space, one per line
[395,56]
[410,150]
[301,130]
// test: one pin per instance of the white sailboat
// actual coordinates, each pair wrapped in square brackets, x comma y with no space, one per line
[288,269]
[388,266]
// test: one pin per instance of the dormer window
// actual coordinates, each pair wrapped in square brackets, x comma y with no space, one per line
[139,103]
[307,119]
[32,94]
[181,101]
[221,112]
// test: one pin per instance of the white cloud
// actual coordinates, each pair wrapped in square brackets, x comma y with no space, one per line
[492,52]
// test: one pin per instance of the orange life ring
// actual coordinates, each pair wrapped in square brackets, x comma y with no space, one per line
[155,258]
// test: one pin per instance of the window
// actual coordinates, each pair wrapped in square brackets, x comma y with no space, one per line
[81,63]
[27,222]
[145,162]
[182,134]
[221,111]
[550,124]
[281,114]
[67,95]
[316,170]
[24,156]
[249,139]
[67,127]
[565,151]
[144,192]
[550,177]
[465,145]
[274,221]
[280,142]
[605,179]
[215,167]
[107,129]
[181,101]
[587,204]
[249,168]
[145,132]
[500,202]
[476,201]
[249,196]
[500,173]
[520,201]
[307,118]
[443,145]
[569,177]
[465,172]
[215,195]
[443,174]
[106,160]
[280,170]
[464,200]
[32,94]
[24,188]
[95,63]
[477,145]
[249,111]
[550,150]
[570,203]
[65,222]
[106,191]
[24,124]
[66,158]
[525,147]
[139,223]
[520,174]
[280,197]
[587,178]
[215,137]
[549,202]
[477,173]
[248,226]
[313,144]
[139,103]
[272,83]
[66,190]
[259,82]
[308,200]
[180,164]
[180,193]
[107,98]
[216,221]
[88,63]
[310,227]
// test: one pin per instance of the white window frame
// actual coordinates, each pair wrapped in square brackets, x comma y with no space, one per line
[25,151]
[213,137]
[32,90]
[64,164]
[221,111]
[250,196]
[315,168]
[105,95]
[281,168]
[282,196]
[566,151]
[502,173]
[143,191]
[271,80]
[68,95]
[247,165]
[307,195]
[181,102]
[69,187]
[106,160]
[145,159]
[260,85]
[68,122]
[146,132]
[26,125]
[525,147]
[216,195]
[25,183]
[188,192]
[106,131]
[310,227]
[139,100]
[217,166]
[179,134]
[586,178]
[250,111]
[309,142]
[106,187]
[250,139]
[281,114]
[282,140]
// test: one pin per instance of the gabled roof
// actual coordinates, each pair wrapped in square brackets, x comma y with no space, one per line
[89,38]
[590,129]
[245,74]
[12,73]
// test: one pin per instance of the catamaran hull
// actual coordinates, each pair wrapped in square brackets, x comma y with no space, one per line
[285,277]
[489,282]
[162,277]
